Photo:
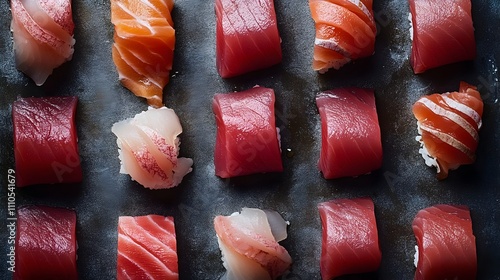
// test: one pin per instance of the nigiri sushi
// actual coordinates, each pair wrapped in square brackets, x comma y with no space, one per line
[147,248]
[43,36]
[442,32]
[351,143]
[249,244]
[446,245]
[45,243]
[247,37]
[247,138]
[345,31]
[45,141]
[448,126]
[350,237]
[143,48]
[148,147]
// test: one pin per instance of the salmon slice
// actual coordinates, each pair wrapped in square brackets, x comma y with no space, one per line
[346,27]
[143,48]
[147,248]
[449,124]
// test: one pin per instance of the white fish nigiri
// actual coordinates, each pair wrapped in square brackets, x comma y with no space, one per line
[148,147]
[43,36]
[249,244]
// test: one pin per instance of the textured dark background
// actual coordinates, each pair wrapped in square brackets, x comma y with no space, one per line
[402,187]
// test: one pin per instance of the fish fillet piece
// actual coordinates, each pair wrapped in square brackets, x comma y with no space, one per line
[247,138]
[247,37]
[148,147]
[45,243]
[442,33]
[143,48]
[446,245]
[350,238]
[45,141]
[249,244]
[42,31]
[448,125]
[351,143]
[147,248]
[345,31]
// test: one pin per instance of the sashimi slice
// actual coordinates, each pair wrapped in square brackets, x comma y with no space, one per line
[351,143]
[45,141]
[249,246]
[247,36]
[247,138]
[345,31]
[442,33]
[448,127]
[143,49]
[446,245]
[148,147]
[43,36]
[350,237]
[147,248]
[45,243]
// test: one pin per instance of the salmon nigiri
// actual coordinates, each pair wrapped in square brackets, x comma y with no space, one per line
[144,46]
[345,30]
[448,125]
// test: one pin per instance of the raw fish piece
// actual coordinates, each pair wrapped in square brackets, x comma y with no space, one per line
[147,248]
[247,138]
[350,237]
[350,134]
[345,31]
[446,245]
[247,36]
[448,125]
[43,36]
[249,244]
[148,147]
[45,141]
[143,48]
[442,33]
[45,243]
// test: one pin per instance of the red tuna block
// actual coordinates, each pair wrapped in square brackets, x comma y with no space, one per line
[45,243]
[350,134]
[247,138]
[45,141]
[350,237]
[247,36]
[443,33]
[446,246]
[147,248]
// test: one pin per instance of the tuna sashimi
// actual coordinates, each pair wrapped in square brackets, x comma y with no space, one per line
[143,47]
[45,141]
[448,125]
[351,144]
[345,31]
[446,245]
[147,248]
[43,36]
[45,243]
[247,138]
[148,147]
[442,33]
[350,237]
[247,36]
[249,244]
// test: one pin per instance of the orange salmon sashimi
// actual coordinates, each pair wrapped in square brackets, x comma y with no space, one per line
[143,48]
[345,31]
[448,125]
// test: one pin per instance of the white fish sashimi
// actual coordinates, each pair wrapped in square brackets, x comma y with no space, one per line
[148,147]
